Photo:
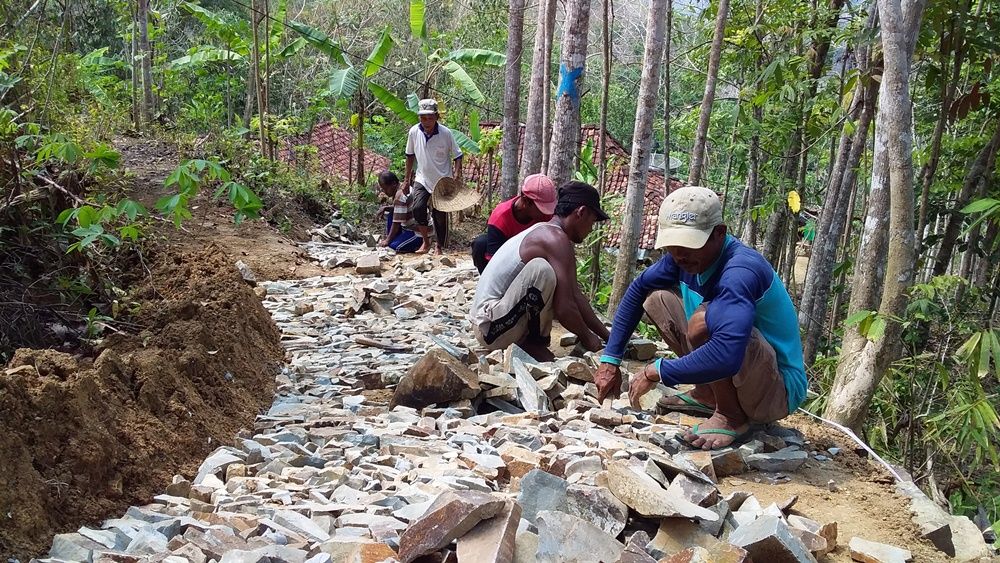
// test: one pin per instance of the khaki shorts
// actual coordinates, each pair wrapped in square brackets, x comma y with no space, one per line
[759,384]
[524,312]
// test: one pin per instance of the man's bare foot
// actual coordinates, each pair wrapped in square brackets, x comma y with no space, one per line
[717,432]
[424,249]
[538,351]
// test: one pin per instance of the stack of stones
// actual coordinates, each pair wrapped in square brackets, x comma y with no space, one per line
[475,458]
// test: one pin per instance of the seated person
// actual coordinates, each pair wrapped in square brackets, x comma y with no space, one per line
[532,278]
[535,204]
[396,216]
[721,308]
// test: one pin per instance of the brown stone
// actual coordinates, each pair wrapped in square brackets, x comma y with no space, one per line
[519,460]
[874,552]
[728,462]
[451,516]
[436,378]
[368,264]
[492,540]
[693,491]
[371,553]
[635,549]
[676,534]
[643,494]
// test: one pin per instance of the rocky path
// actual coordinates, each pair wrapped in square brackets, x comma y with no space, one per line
[456,470]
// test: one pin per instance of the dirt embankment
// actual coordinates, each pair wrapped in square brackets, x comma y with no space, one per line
[84,438]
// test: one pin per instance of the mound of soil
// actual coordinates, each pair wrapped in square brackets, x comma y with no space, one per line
[84,438]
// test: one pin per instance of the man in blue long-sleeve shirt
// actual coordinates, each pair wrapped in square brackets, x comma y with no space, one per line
[721,308]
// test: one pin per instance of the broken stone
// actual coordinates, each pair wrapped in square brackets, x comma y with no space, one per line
[728,462]
[720,553]
[567,339]
[451,516]
[641,350]
[541,491]
[532,397]
[368,264]
[563,538]
[246,273]
[695,492]
[598,506]
[635,549]
[303,308]
[874,552]
[435,378]
[643,494]
[768,539]
[492,540]
[676,534]
[786,460]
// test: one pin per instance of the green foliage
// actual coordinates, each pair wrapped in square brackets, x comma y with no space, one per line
[188,179]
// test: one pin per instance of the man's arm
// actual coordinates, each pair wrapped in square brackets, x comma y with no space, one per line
[590,317]
[661,275]
[408,175]
[558,251]
[458,168]
[456,155]
[494,240]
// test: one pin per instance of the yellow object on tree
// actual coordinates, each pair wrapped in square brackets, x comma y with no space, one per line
[794,202]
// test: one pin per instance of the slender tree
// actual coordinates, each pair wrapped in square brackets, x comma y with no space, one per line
[602,143]
[534,123]
[511,141]
[547,102]
[566,128]
[145,61]
[642,142]
[864,358]
[701,133]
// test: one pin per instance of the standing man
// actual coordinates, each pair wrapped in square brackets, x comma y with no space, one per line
[532,278]
[433,148]
[535,204]
[722,309]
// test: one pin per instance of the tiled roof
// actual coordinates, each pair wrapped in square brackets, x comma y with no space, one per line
[477,169]
[334,149]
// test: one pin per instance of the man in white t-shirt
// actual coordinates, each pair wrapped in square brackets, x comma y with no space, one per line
[434,150]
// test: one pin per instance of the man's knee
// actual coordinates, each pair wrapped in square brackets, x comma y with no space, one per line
[697,332]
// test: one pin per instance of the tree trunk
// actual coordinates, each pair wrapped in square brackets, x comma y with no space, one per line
[251,97]
[948,86]
[255,66]
[360,179]
[534,125]
[666,94]
[816,290]
[547,102]
[980,168]
[602,150]
[834,219]
[748,232]
[863,361]
[566,129]
[136,70]
[146,62]
[512,101]
[642,141]
[701,134]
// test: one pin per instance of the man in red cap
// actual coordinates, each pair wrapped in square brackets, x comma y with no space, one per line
[535,204]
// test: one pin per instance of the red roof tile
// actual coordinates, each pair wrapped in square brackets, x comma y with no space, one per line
[335,152]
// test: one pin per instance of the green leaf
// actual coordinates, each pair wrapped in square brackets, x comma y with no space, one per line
[981,205]
[393,103]
[343,83]
[856,318]
[877,329]
[321,41]
[467,145]
[418,27]
[279,23]
[474,133]
[86,216]
[478,57]
[412,102]
[216,24]
[205,54]
[376,60]
[463,79]
[292,48]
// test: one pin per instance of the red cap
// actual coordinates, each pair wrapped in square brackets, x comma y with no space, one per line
[541,190]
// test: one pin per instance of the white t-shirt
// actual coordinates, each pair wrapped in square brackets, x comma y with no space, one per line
[434,155]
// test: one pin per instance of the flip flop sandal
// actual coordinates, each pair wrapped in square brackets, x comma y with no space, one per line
[737,436]
[690,405]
